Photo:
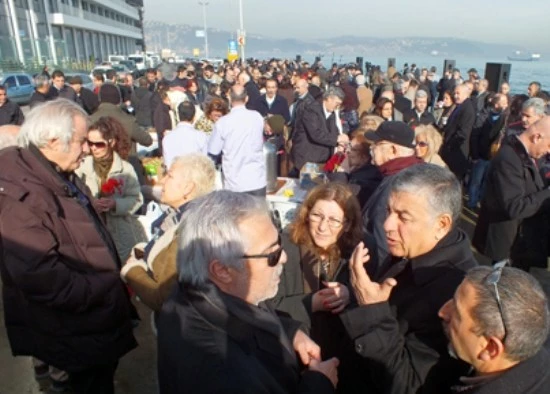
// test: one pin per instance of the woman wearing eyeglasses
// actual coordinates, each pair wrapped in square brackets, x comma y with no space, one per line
[428,142]
[314,286]
[113,182]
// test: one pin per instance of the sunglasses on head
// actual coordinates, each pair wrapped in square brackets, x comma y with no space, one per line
[272,258]
[98,144]
[492,279]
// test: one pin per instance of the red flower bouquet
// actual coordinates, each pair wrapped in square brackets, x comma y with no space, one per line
[111,186]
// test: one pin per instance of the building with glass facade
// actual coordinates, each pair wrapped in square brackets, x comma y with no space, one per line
[56,31]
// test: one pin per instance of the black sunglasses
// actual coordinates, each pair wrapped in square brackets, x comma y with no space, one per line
[422,144]
[272,258]
[492,279]
[99,145]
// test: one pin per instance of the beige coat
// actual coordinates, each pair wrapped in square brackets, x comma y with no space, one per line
[365,97]
[121,222]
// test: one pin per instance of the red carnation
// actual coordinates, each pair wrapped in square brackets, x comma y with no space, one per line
[111,186]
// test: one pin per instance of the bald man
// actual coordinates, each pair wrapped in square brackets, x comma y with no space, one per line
[512,222]
[238,138]
[456,144]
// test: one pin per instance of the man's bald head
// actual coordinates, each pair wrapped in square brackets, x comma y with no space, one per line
[462,92]
[301,87]
[238,95]
[389,95]
[536,138]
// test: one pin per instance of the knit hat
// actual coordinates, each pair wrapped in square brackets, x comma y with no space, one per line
[109,93]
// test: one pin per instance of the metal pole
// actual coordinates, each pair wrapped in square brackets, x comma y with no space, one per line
[204,4]
[242,27]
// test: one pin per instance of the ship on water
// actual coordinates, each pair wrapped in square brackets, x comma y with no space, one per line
[519,56]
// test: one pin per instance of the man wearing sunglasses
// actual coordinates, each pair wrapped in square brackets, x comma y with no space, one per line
[215,334]
[497,322]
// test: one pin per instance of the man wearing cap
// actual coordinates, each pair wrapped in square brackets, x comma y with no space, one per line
[392,151]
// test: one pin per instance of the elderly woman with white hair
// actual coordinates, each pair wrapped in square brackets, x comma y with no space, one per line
[151,269]
[428,142]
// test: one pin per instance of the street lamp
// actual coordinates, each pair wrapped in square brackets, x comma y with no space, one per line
[204,4]
[242,33]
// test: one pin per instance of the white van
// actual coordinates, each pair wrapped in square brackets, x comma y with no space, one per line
[115,59]
[139,60]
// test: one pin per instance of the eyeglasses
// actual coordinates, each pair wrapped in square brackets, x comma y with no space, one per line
[272,258]
[492,279]
[422,144]
[99,144]
[315,217]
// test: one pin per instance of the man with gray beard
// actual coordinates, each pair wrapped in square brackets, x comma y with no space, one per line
[215,334]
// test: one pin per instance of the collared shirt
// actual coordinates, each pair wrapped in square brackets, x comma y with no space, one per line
[184,139]
[238,136]
[270,101]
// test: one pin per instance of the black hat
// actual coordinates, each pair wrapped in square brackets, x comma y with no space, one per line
[109,93]
[397,132]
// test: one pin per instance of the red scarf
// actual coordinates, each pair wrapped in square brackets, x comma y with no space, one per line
[394,166]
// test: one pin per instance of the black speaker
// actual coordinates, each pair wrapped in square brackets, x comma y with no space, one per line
[391,62]
[317,59]
[448,65]
[298,58]
[359,62]
[496,74]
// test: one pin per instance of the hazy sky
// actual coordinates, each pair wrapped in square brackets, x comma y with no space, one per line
[498,21]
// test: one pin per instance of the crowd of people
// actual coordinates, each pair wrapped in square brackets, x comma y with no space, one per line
[373,287]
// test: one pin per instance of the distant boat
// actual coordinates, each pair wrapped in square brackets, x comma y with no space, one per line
[434,53]
[518,56]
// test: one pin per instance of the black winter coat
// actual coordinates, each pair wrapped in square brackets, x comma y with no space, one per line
[10,113]
[367,178]
[314,137]
[482,137]
[253,95]
[211,342]
[142,101]
[456,140]
[513,221]
[88,100]
[64,302]
[531,376]
[402,341]
[411,118]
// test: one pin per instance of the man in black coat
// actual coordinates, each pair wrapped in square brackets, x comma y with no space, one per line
[10,113]
[271,103]
[419,114]
[315,135]
[456,142]
[216,334]
[59,88]
[142,101]
[513,219]
[41,91]
[251,89]
[504,347]
[395,326]
[84,96]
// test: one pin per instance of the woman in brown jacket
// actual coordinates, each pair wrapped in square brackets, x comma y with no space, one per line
[151,269]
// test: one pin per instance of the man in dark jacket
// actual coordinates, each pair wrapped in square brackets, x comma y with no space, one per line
[395,326]
[504,347]
[513,218]
[419,114]
[271,103]
[456,143]
[41,91]
[251,89]
[481,140]
[84,96]
[142,101]
[10,113]
[64,302]
[315,135]
[217,317]
[59,88]
[392,152]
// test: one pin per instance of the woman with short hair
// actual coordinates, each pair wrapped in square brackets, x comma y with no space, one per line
[428,142]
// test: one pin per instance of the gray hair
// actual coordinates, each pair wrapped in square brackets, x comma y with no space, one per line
[41,80]
[49,121]
[238,94]
[210,231]
[438,185]
[334,91]
[200,170]
[421,93]
[524,308]
[536,103]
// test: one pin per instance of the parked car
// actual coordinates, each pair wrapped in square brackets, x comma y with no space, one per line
[87,82]
[19,86]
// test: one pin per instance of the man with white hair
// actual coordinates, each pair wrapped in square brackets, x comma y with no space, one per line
[41,91]
[63,298]
[216,334]
[419,114]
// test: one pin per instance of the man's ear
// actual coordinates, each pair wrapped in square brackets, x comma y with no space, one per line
[494,348]
[219,273]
